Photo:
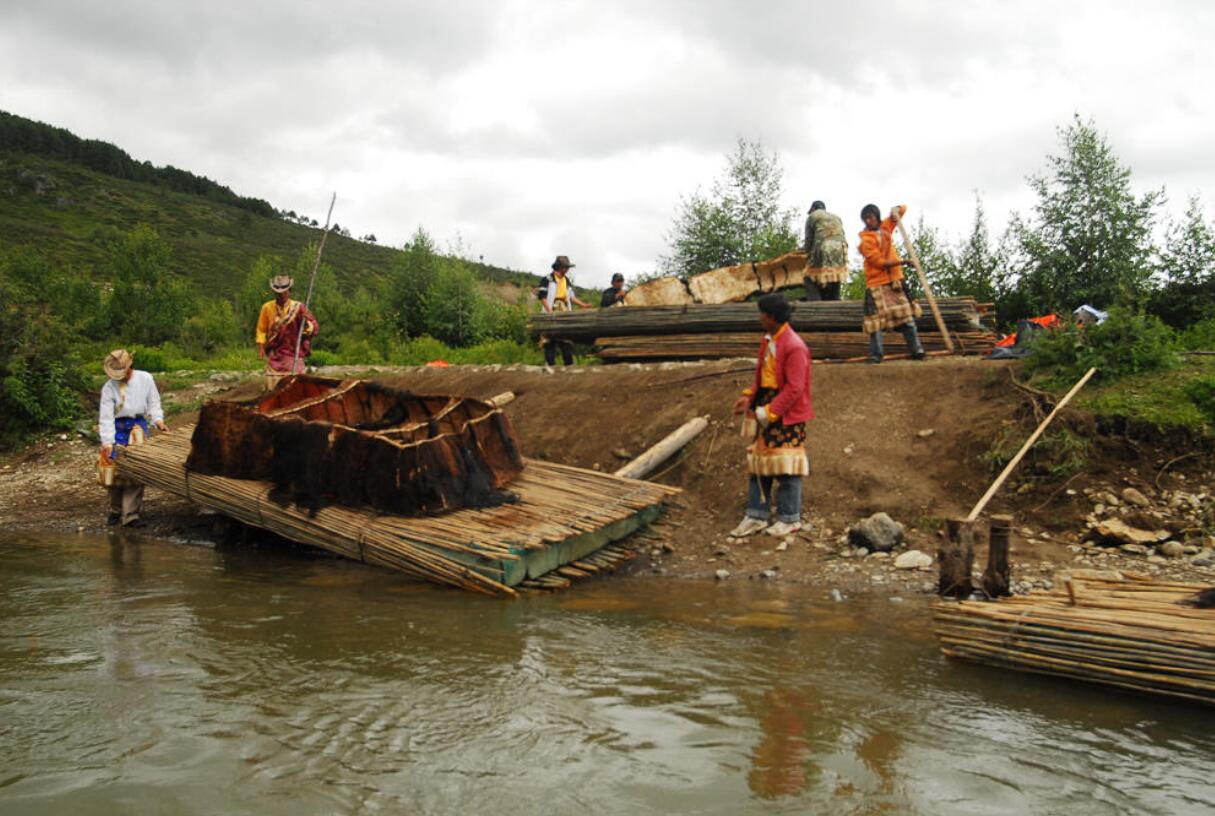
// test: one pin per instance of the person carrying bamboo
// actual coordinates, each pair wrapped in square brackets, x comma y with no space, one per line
[826,254]
[887,305]
[777,407]
[557,295]
[129,401]
[280,325]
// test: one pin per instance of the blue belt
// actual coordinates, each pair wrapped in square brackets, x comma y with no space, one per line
[122,431]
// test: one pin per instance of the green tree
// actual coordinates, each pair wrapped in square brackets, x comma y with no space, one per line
[1089,239]
[39,367]
[452,305]
[213,327]
[414,273]
[739,220]
[1187,270]
[149,302]
[255,291]
[981,267]
[936,258]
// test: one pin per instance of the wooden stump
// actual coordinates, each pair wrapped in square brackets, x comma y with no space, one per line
[956,559]
[996,577]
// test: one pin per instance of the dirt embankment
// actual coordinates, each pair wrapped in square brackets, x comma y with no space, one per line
[904,438]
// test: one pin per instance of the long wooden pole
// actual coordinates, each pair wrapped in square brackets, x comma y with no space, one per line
[316,264]
[1029,443]
[659,453]
[919,271]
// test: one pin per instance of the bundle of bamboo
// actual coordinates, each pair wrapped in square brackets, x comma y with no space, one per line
[823,345]
[1135,633]
[564,514]
[961,314]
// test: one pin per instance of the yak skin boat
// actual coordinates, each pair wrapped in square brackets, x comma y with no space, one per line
[361,444]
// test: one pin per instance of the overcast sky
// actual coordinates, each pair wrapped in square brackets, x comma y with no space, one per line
[530,129]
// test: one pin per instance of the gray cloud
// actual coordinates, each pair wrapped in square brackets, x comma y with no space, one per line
[527,127]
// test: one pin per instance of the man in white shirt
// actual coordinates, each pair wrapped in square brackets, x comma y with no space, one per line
[129,400]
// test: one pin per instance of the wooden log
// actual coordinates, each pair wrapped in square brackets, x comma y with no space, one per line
[996,577]
[656,455]
[959,314]
[733,284]
[919,271]
[956,560]
[505,398]
[1029,443]
[659,292]
[835,345]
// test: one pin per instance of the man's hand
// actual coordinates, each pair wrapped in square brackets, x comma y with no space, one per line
[161,426]
[106,450]
[261,350]
[740,404]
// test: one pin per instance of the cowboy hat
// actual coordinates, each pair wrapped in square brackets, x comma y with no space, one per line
[562,262]
[117,363]
[281,283]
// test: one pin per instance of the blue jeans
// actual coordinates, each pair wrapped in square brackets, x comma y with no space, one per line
[788,497]
[909,334]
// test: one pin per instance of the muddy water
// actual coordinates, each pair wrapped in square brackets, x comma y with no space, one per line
[144,676]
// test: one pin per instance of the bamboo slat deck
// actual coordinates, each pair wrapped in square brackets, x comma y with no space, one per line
[564,514]
[1133,634]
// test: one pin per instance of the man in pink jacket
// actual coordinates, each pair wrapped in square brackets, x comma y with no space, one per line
[777,406]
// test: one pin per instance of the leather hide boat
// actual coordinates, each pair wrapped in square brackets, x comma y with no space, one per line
[359,443]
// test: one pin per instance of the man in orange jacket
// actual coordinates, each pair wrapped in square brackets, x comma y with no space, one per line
[887,305]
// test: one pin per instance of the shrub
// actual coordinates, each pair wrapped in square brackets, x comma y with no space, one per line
[1058,453]
[320,357]
[149,359]
[1200,335]
[1126,343]
[37,393]
[1201,392]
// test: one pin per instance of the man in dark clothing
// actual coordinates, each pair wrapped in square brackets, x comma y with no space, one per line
[615,293]
[826,254]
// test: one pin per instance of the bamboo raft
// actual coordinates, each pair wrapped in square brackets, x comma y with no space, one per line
[1133,633]
[564,519]
[823,345]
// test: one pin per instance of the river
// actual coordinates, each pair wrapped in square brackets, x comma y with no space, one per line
[146,676]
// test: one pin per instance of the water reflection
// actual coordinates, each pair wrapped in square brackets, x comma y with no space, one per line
[251,680]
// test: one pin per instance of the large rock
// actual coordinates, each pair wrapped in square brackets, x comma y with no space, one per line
[913,559]
[878,533]
[1172,549]
[1132,496]
[1116,532]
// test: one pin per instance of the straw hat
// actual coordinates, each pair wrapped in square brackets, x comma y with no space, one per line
[117,363]
[281,283]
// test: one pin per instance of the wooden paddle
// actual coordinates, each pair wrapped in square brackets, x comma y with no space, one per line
[919,271]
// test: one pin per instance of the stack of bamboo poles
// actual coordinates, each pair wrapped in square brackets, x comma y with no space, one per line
[823,345]
[1132,633]
[961,314]
[467,548]
[606,559]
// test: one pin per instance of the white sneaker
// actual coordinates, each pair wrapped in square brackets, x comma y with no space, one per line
[784,528]
[746,527]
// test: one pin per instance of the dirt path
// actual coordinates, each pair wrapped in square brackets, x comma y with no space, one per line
[904,438]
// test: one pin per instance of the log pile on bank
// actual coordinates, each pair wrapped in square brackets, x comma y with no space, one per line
[698,331]
[1126,630]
